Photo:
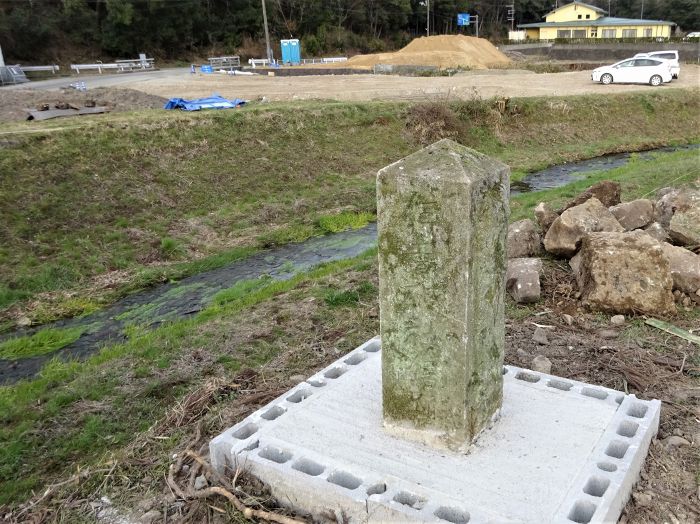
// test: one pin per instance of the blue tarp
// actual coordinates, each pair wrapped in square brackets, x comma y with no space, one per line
[213,102]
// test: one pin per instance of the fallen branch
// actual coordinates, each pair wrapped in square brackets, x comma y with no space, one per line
[200,464]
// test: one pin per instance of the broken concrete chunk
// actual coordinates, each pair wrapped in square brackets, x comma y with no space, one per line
[617,320]
[523,279]
[523,239]
[540,336]
[607,192]
[634,214]
[544,216]
[685,268]
[542,364]
[564,237]
[625,273]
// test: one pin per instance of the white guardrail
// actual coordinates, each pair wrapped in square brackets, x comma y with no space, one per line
[53,68]
[120,66]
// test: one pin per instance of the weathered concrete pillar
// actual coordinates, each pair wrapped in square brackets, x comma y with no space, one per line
[442,221]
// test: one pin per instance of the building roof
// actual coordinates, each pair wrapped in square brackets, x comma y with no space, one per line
[589,6]
[603,21]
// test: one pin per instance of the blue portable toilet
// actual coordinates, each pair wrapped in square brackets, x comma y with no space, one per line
[291,51]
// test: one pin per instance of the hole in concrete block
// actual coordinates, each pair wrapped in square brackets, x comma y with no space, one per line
[355,359]
[274,412]
[377,489]
[527,377]
[373,347]
[316,382]
[560,384]
[505,370]
[299,395]
[607,466]
[245,432]
[627,428]
[637,410]
[275,455]
[308,466]
[619,399]
[596,486]
[457,516]
[334,373]
[616,449]
[410,499]
[344,479]
[595,393]
[253,445]
[582,512]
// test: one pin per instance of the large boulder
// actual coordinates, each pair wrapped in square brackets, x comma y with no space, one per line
[685,268]
[685,226]
[564,237]
[523,239]
[545,216]
[607,192]
[671,201]
[625,273]
[634,214]
[523,279]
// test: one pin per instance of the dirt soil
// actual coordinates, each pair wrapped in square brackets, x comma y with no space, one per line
[14,103]
[485,84]
[446,51]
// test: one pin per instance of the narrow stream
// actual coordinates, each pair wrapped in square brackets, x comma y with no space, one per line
[187,297]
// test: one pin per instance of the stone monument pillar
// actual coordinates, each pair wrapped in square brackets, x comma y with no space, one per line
[442,222]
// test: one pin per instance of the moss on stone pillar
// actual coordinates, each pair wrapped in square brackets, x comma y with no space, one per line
[442,221]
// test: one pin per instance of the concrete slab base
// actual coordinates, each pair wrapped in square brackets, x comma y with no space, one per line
[561,451]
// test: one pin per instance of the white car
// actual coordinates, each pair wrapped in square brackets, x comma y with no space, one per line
[671,56]
[634,71]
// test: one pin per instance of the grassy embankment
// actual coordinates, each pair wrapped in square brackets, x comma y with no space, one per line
[116,405]
[123,201]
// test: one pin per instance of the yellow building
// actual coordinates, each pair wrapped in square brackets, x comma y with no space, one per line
[579,20]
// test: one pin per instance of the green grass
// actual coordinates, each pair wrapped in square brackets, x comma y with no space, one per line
[40,343]
[344,221]
[143,195]
[113,374]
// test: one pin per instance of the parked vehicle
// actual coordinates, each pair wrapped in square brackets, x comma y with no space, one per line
[634,71]
[671,56]
[695,35]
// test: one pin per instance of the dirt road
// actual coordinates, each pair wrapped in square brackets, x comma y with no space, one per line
[374,87]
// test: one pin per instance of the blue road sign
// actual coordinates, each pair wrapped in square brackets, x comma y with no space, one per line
[462,18]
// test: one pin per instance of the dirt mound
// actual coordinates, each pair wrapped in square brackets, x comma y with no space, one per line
[441,51]
[14,102]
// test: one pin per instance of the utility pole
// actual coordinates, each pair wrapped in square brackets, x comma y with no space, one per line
[427,18]
[641,15]
[267,35]
[2,60]
[511,15]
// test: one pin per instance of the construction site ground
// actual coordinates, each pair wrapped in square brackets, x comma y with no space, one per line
[180,83]
[391,87]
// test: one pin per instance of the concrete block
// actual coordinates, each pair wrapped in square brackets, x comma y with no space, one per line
[562,451]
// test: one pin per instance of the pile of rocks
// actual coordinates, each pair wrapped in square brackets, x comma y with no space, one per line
[628,257]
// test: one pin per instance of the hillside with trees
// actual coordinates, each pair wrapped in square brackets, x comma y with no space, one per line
[63,30]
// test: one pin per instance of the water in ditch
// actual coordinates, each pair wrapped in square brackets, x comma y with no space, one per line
[187,297]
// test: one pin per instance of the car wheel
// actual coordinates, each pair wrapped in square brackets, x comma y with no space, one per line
[606,79]
[656,80]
